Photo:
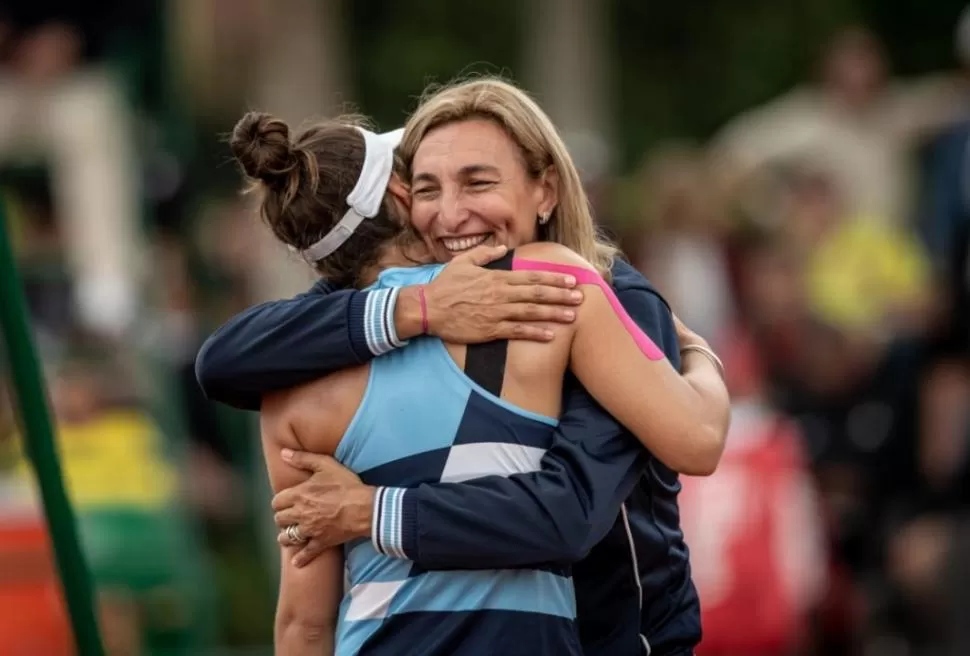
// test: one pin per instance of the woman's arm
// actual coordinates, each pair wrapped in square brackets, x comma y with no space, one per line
[281,344]
[309,598]
[683,420]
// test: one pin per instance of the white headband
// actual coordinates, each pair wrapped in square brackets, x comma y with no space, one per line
[368,194]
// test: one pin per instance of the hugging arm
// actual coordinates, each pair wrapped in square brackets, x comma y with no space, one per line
[282,344]
[682,420]
[309,598]
[553,515]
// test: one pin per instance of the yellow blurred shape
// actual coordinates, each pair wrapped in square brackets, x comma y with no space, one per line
[113,460]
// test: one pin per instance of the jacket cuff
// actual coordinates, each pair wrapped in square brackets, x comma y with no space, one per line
[394,527]
[371,321]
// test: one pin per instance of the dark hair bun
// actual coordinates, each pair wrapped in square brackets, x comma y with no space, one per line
[261,144]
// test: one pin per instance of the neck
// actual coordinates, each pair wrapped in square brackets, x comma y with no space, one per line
[396,255]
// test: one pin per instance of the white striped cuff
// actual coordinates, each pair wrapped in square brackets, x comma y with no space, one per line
[379,329]
[386,525]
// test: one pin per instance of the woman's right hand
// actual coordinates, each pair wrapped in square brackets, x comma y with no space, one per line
[468,304]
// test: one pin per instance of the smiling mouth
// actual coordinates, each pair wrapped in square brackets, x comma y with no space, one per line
[464,243]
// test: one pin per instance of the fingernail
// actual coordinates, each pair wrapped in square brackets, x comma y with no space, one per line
[570,315]
[286,454]
[295,562]
[576,295]
[570,281]
[548,334]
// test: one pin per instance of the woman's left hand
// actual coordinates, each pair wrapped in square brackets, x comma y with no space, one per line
[686,336]
[330,508]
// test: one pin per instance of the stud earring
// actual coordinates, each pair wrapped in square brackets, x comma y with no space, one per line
[544,217]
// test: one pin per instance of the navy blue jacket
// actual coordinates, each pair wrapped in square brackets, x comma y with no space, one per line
[600,501]
[945,223]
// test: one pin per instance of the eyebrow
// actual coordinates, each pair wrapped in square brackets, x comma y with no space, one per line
[465,171]
[473,169]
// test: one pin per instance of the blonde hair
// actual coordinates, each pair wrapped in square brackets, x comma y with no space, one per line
[571,222]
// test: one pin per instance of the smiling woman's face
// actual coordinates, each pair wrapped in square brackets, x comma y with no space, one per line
[470,186]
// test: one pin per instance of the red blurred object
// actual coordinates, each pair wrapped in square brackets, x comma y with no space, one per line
[756,539]
[743,369]
[33,621]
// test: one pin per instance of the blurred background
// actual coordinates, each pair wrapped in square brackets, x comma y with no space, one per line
[794,175]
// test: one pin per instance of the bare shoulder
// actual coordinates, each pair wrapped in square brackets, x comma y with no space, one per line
[316,413]
[548,251]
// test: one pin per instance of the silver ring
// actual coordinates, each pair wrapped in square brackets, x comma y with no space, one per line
[293,533]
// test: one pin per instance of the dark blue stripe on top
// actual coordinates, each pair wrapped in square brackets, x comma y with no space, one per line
[487,421]
[410,471]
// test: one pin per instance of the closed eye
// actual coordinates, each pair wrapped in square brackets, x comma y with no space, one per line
[481,184]
[424,192]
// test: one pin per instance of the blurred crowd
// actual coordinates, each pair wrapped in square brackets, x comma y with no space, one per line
[819,242]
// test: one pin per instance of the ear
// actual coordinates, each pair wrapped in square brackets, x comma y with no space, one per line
[400,190]
[548,190]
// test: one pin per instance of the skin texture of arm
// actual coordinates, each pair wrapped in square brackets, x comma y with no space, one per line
[682,420]
[309,598]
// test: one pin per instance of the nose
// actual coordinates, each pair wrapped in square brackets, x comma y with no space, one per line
[452,211]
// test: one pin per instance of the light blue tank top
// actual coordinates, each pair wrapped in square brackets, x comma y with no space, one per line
[422,420]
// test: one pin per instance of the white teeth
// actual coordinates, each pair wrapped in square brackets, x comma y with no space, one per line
[455,244]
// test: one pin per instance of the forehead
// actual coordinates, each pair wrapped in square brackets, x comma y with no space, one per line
[462,144]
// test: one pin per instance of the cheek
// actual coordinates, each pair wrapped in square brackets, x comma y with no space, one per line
[421,217]
[524,227]
[525,219]
[512,226]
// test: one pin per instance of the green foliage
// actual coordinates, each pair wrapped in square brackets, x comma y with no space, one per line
[398,47]
[682,69]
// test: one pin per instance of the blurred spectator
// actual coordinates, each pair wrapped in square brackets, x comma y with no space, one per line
[682,223]
[945,217]
[59,99]
[176,335]
[772,301]
[926,551]
[868,279]
[254,53]
[822,295]
[755,529]
[856,123]
[40,260]
[146,567]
